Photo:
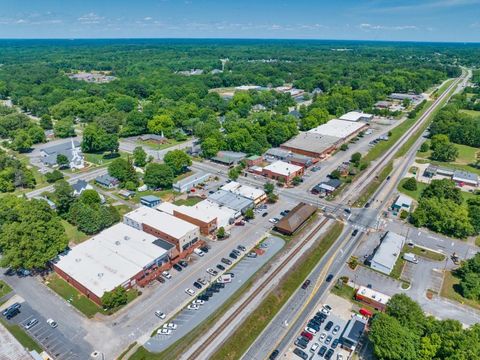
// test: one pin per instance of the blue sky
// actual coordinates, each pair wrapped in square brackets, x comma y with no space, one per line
[427,20]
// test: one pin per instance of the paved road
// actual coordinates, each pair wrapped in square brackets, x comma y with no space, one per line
[187,320]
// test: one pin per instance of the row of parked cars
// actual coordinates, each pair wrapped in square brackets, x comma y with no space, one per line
[326,343]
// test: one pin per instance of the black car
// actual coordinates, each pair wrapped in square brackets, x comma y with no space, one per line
[318,319]
[322,350]
[177,267]
[197,285]
[232,255]
[367,205]
[328,326]
[11,308]
[204,249]
[236,252]
[329,354]
[329,278]
[300,353]
[347,210]
[12,313]
[220,267]
[183,263]
[203,297]
[305,284]
[273,355]
[226,261]
[160,279]
[264,214]
[355,232]
[314,326]
[242,248]
[334,344]
[214,289]
[301,343]
[219,285]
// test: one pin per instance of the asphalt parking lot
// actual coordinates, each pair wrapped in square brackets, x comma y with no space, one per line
[51,339]
[187,320]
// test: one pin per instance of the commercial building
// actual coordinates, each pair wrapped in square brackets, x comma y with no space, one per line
[282,170]
[233,201]
[353,332]
[387,253]
[295,218]
[254,160]
[375,299]
[326,188]
[462,178]
[340,129]
[403,202]
[118,256]
[176,231]
[356,116]
[159,139]
[188,183]
[207,222]
[401,97]
[277,154]
[150,200]
[229,158]
[302,160]
[71,149]
[312,144]
[254,194]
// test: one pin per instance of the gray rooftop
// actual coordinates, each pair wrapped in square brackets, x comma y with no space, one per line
[79,185]
[200,176]
[150,198]
[277,152]
[312,142]
[389,250]
[59,148]
[464,175]
[354,329]
[231,200]
[165,245]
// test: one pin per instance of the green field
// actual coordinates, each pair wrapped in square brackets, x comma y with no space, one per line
[473,113]
[73,234]
[413,194]
[450,290]
[103,158]
[165,195]
[191,201]
[156,146]
[4,288]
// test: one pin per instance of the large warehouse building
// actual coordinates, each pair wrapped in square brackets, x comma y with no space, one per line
[312,144]
[118,256]
[176,231]
[342,129]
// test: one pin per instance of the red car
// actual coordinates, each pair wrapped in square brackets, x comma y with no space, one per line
[307,335]
[305,284]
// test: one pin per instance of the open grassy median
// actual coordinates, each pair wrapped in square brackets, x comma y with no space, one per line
[251,328]
[368,192]
[450,290]
[4,288]
[21,336]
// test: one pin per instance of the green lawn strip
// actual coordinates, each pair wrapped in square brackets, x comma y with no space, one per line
[73,234]
[348,293]
[73,296]
[450,290]
[420,251]
[373,186]
[444,87]
[415,194]
[250,329]
[473,113]
[190,201]
[22,337]
[165,195]
[4,288]
[456,166]
[123,209]
[398,268]
[102,159]
[122,355]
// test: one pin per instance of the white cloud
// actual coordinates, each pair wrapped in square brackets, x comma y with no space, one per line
[427,5]
[91,18]
[368,27]
[148,18]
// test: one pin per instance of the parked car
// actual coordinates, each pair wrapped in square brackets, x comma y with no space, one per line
[310,330]
[160,314]
[252,254]
[301,343]
[204,249]
[265,214]
[202,281]
[160,279]
[336,329]
[236,252]
[30,324]
[199,252]
[177,267]
[220,267]
[233,255]
[328,340]
[300,353]
[334,344]
[12,313]
[170,325]
[241,248]
[307,335]
[163,331]
[166,275]
[198,302]
[273,355]
[11,307]
[306,284]
[193,307]
[326,309]
[230,274]
[212,272]
[322,350]
[273,220]
[190,291]
[329,278]
[314,347]
[328,326]
[197,285]
[52,323]
[226,261]
[329,354]
[323,335]
[183,263]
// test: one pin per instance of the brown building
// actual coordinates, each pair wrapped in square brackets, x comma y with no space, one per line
[281,170]
[295,218]
[254,160]
[312,144]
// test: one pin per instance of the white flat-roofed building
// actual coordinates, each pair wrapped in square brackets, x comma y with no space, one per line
[387,252]
[341,129]
[283,170]
[190,182]
[356,116]
[118,256]
[178,232]
[257,195]
[374,298]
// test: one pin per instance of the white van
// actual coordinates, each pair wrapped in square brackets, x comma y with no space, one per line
[198,252]
[410,257]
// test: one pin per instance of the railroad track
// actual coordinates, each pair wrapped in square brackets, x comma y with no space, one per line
[256,292]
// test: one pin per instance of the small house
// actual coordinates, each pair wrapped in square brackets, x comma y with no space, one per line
[107,181]
[150,200]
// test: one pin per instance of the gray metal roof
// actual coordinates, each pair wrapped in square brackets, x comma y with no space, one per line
[464,175]
[312,142]
[231,200]
[60,148]
[389,250]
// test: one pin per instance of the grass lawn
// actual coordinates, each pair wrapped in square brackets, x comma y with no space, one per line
[413,194]
[156,146]
[123,209]
[102,158]
[22,337]
[397,269]
[373,186]
[190,201]
[466,157]
[450,290]
[473,113]
[184,175]
[348,293]
[432,255]
[165,195]
[248,331]
[4,288]
[73,234]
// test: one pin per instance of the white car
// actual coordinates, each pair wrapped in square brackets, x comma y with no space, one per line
[160,314]
[310,330]
[273,221]
[164,331]
[314,347]
[336,329]
[339,357]
[166,275]
[326,309]
[212,272]
[52,323]
[202,281]
[323,336]
[193,307]
[199,252]
[198,302]
[171,326]
[190,291]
